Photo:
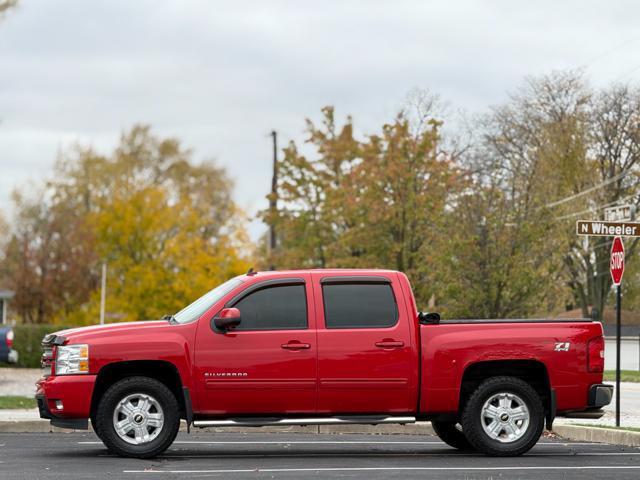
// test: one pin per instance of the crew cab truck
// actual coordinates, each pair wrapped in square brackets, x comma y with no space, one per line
[321,347]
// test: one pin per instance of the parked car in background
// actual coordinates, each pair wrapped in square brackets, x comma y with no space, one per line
[7,353]
[314,347]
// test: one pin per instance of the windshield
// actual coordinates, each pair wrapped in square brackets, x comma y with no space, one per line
[201,305]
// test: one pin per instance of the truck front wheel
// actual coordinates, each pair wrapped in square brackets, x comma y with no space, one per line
[451,434]
[504,416]
[138,417]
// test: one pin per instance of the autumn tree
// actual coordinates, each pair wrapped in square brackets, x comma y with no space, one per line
[48,258]
[310,190]
[165,226]
[158,254]
[377,202]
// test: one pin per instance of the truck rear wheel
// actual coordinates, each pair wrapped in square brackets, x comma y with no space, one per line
[504,416]
[451,434]
[138,417]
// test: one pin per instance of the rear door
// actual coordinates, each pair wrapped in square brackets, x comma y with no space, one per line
[366,362]
[268,364]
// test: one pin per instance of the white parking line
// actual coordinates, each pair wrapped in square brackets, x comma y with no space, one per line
[284,442]
[386,469]
[330,442]
[385,455]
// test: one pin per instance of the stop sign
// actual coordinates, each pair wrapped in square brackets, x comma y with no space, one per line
[616,266]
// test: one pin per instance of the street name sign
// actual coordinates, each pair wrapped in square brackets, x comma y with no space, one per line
[620,213]
[616,264]
[607,229]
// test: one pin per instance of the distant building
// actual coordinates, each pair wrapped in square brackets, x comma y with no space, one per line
[5,296]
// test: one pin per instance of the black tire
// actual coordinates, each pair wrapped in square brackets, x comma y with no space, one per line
[472,419]
[138,385]
[451,434]
[94,425]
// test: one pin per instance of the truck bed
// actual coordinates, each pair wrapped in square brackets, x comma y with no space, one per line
[556,347]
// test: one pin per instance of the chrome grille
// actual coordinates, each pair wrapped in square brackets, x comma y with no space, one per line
[46,361]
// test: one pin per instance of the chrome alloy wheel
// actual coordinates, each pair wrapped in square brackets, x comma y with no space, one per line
[138,418]
[505,417]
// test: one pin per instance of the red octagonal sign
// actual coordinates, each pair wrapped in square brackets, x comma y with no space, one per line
[616,267]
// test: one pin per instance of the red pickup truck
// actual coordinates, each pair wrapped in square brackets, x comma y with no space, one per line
[321,347]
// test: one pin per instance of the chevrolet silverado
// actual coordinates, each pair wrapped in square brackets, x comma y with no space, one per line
[312,347]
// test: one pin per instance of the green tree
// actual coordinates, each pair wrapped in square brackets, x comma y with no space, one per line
[528,152]
[501,265]
[562,146]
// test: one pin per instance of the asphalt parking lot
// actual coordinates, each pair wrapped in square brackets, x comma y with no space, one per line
[260,455]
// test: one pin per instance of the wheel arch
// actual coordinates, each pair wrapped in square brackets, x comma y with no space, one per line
[533,372]
[161,370]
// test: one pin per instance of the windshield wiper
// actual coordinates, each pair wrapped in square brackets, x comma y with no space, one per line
[172,320]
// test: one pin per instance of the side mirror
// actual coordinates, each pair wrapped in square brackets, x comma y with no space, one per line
[429,318]
[227,319]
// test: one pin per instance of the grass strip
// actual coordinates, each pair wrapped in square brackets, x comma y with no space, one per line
[625,375]
[14,401]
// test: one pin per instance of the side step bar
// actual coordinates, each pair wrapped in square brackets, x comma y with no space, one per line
[264,422]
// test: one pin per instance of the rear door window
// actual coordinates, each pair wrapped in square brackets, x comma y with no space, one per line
[359,305]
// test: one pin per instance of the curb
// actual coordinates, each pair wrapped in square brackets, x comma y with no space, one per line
[598,435]
[28,426]
[419,428]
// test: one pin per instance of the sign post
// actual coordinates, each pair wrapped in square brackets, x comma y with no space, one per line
[616,267]
[619,222]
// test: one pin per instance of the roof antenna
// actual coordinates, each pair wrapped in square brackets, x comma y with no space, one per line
[251,272]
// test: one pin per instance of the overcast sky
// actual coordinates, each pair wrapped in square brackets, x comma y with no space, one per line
[221,75]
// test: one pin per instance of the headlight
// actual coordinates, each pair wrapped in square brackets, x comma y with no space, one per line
[72,359]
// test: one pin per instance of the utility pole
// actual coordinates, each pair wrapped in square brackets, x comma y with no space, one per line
[273,202]
[103,292]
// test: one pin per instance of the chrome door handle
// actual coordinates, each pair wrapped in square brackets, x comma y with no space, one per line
[389,344]
[295,346]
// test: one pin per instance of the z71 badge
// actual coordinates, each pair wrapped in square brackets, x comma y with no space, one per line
[562,347]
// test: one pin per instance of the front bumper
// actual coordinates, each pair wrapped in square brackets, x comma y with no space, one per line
[66,400]
[75,423]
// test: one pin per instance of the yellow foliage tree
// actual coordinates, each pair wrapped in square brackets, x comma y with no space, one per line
[158,260]
[166,227]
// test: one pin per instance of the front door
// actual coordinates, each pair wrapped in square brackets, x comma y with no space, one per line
[366,360]
[266,365]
